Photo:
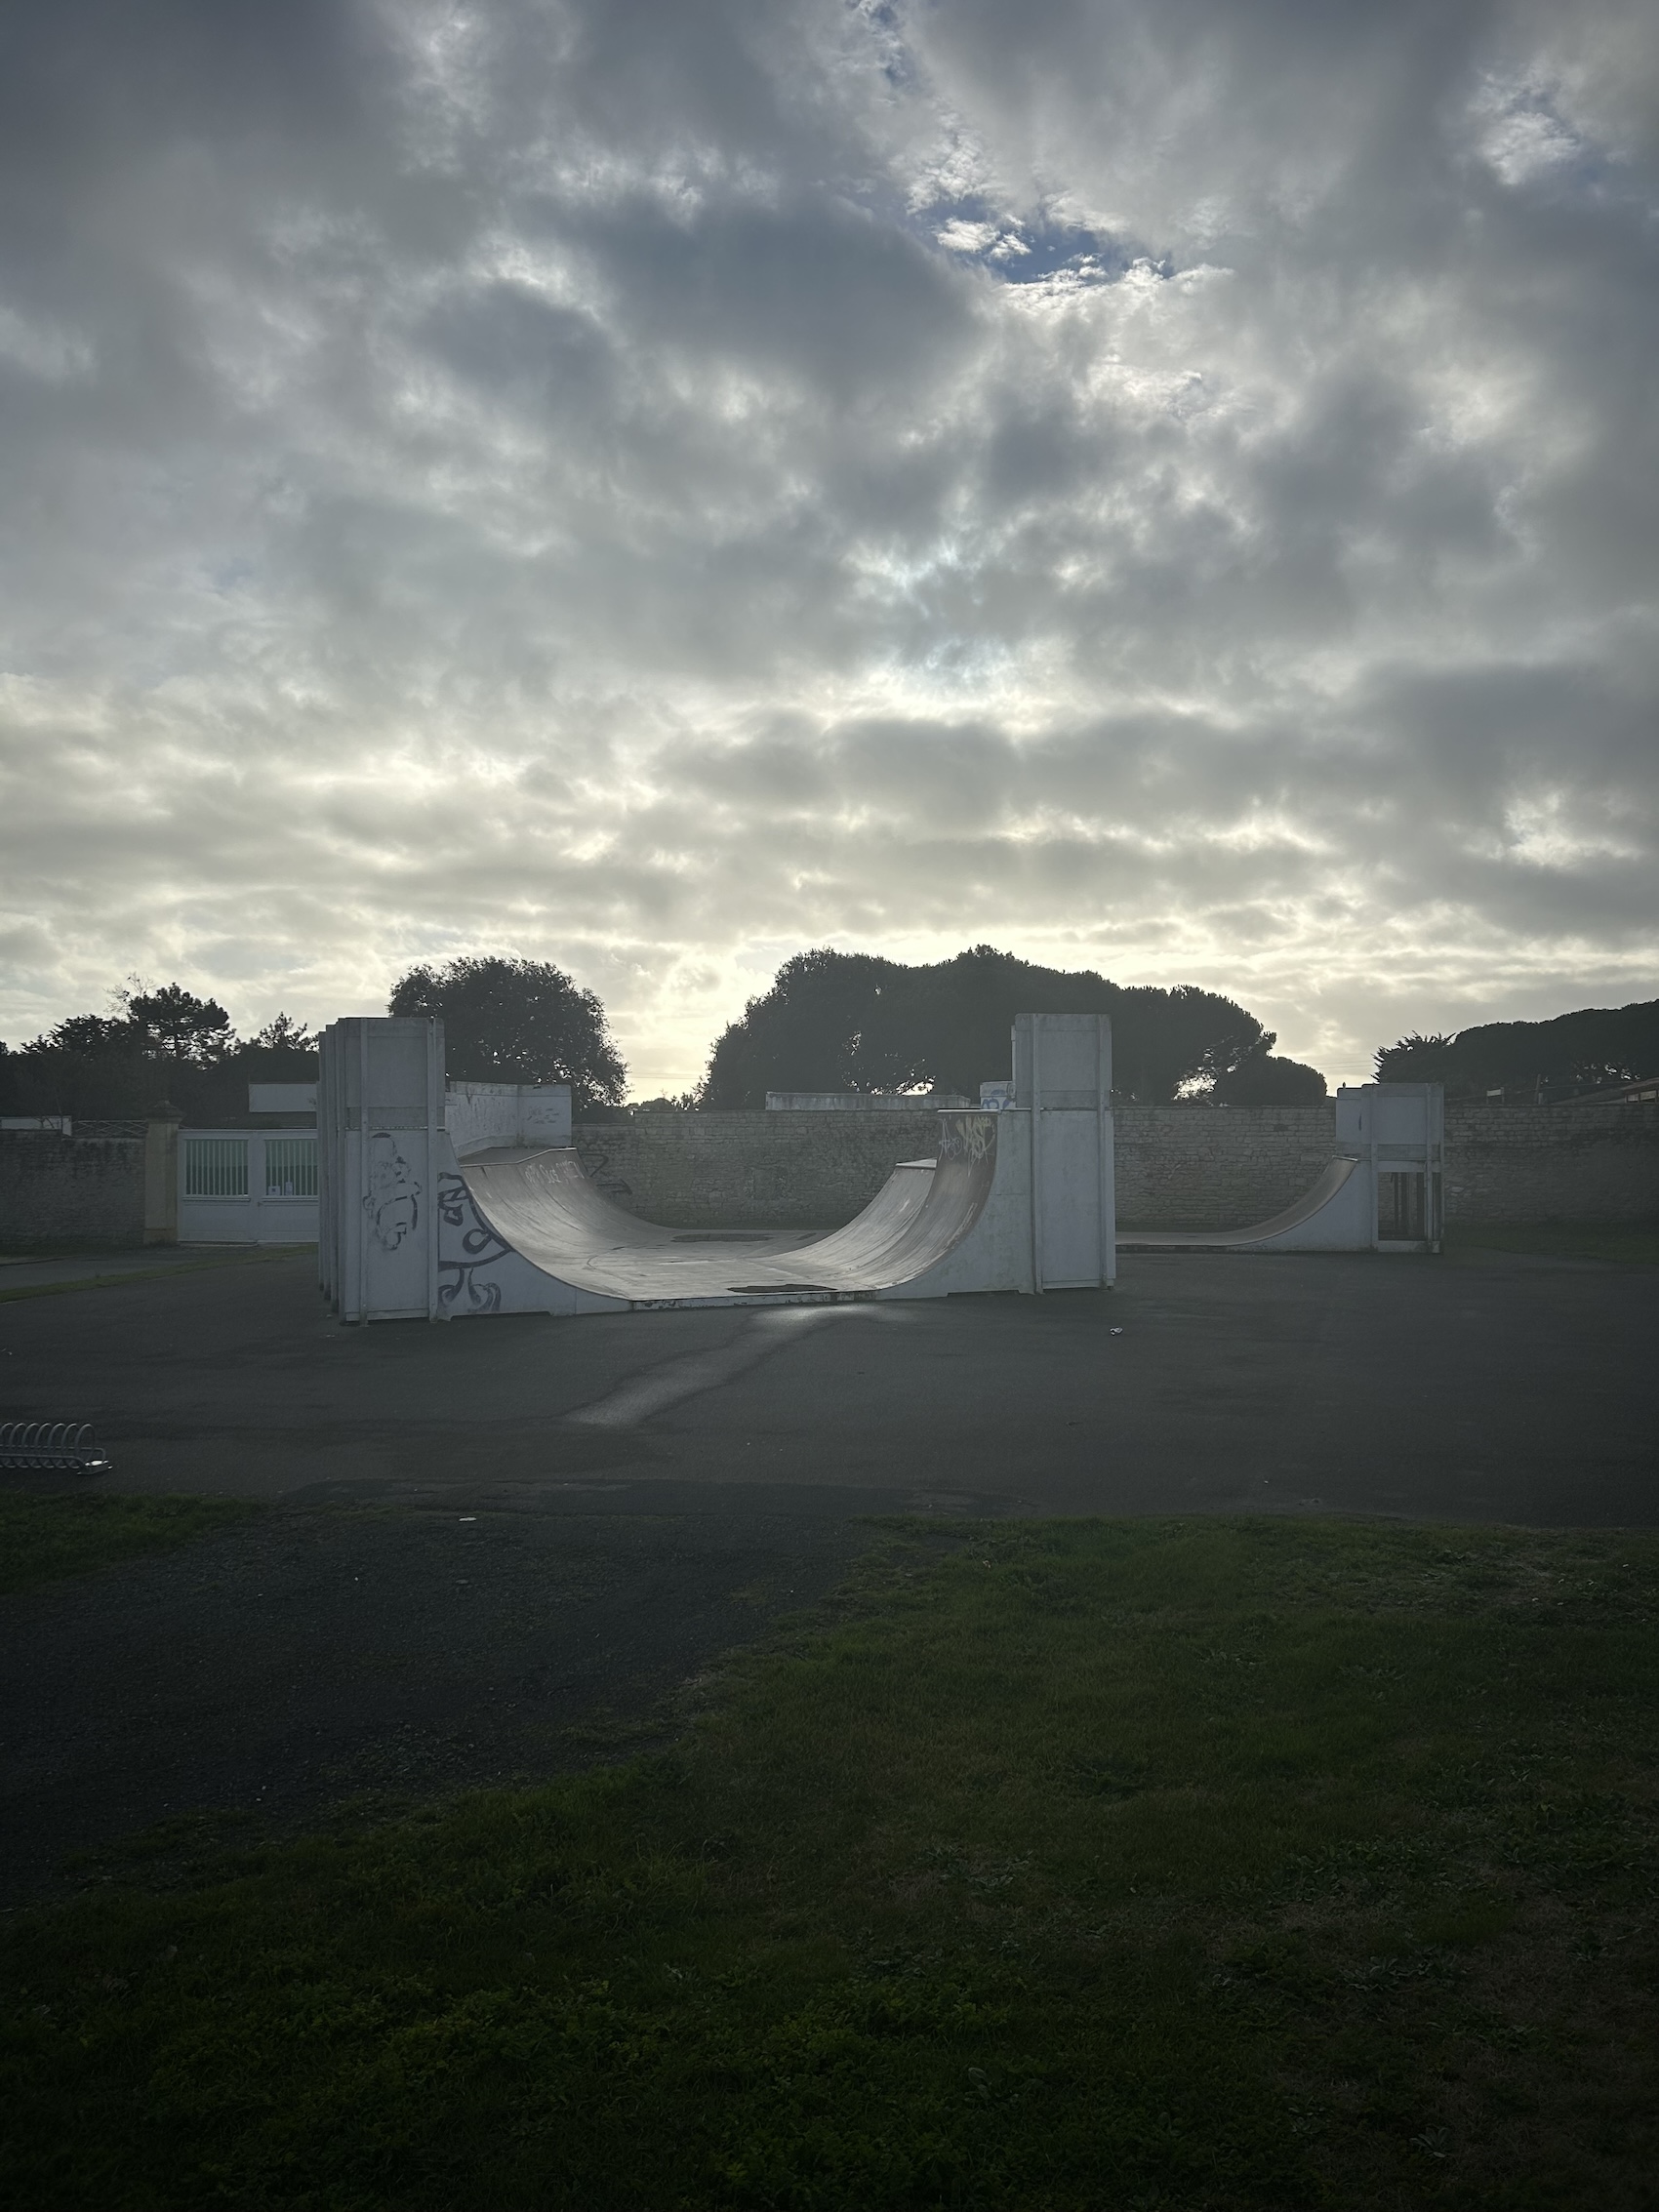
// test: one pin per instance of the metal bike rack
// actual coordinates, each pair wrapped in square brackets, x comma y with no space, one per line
[47,1446]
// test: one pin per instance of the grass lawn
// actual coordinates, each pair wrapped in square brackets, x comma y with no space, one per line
[45,1535]
[237,1256]
[1636,1241]
[1112,1865]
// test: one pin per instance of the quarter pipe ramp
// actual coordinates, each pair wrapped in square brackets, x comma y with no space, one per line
[1383,1192]
[1330,1218]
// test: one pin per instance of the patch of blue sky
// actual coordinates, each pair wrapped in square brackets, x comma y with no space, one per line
[1028,250]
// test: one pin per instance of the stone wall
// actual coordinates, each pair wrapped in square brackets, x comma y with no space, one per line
[737,1170]
[1563,1163]
[1177,1167]
[71,1189]
[1198,1168]
[1203,1167]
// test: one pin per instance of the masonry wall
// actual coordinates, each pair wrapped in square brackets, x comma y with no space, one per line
[71,1189]
[1198,1167]
[1553,1163]
[1177,1167]
[1195,1168]
[740,1170]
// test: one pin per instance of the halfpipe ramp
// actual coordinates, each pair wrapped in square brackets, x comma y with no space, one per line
[440,1201]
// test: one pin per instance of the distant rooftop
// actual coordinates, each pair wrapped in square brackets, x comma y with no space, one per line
[282,1097]
[1644,1091]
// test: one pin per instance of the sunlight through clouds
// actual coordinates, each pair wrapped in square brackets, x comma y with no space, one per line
[657,486]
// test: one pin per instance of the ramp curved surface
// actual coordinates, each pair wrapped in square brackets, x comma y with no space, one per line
[548,1212]
[1331,1217]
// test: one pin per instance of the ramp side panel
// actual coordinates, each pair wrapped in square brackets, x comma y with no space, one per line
[921,1216]
[1075,1163]
[485,1116]
[861,1254]
[1344,1219]
[964,1181]
[379,1129]
[479,1270]
[990,1250]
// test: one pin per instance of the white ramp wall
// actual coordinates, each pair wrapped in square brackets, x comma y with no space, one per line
[1063,1081]
[481,1115]
[380,1148]
[399,1237]
[1398,1132]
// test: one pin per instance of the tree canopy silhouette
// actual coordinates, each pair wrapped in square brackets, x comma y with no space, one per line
[1590,1050]
[508,1021]
[854,1022]
[176,1024]
[1267,1080]
[158,1044]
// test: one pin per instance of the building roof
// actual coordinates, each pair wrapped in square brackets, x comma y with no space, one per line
[1644,1092]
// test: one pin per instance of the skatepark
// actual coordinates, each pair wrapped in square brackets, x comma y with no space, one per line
[1016,1199]
[697,1428]
[461,1575]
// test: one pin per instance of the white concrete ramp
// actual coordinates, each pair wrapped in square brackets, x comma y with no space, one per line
[1330,1218]
[544,1208]
[1384,1193]
[445,1201]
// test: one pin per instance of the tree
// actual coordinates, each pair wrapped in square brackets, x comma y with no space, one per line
[91,1036]
[285,1034]
[508,1021]
[179,1025]
[165,1043]
[1559,1058]
[852,1021]
[1269,1082]
[170,1023]
[803,1034]
[1416,1058]
[155,1044]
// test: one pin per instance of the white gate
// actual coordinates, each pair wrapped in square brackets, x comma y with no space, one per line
[247,1187]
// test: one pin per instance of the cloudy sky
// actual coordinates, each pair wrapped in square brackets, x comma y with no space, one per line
[1165,486]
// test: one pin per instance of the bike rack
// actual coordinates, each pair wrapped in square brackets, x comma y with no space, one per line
[61,1446]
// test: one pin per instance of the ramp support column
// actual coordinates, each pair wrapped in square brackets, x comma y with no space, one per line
[380,1152]
[1036,1053]
[1063,1079]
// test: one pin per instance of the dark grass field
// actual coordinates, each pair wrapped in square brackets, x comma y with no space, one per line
[1626,1243]
[53,1270]
[1088,1864]
[43,1537]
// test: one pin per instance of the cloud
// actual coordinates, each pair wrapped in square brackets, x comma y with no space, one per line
[654,486]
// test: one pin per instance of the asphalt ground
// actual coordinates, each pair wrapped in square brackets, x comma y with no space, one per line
[497,1544]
